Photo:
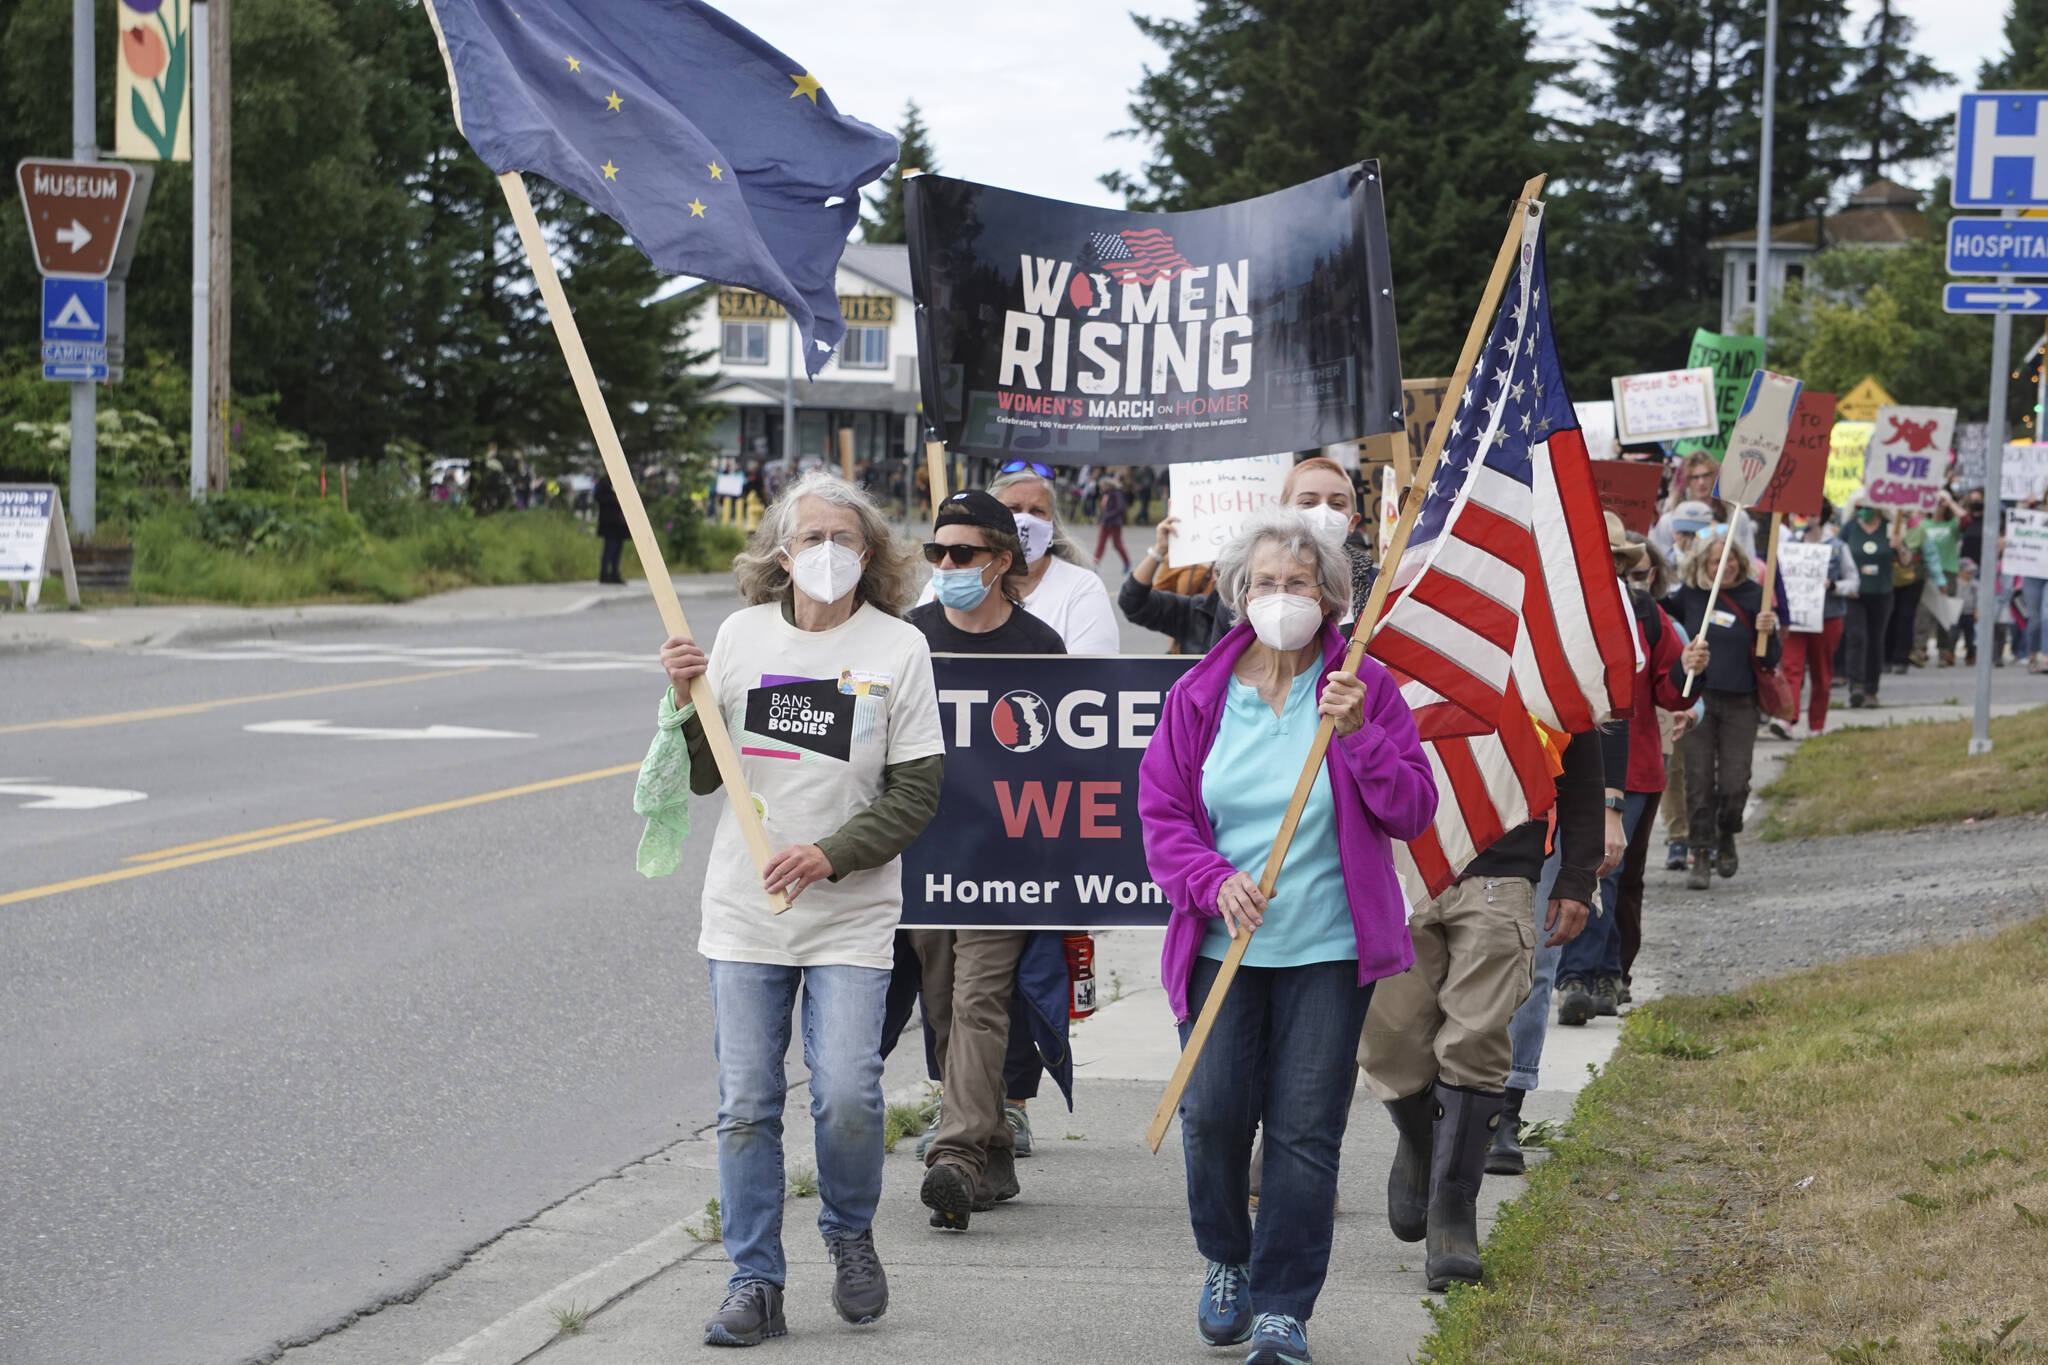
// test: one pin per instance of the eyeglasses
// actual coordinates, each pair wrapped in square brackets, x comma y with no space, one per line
[1043,471]
[811,540]
[961,555]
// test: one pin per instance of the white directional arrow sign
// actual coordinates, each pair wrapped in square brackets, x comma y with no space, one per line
[328,729]
[54,797]
[1994,298]
[76,236]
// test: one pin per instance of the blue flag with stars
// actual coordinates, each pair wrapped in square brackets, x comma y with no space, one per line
[717,153]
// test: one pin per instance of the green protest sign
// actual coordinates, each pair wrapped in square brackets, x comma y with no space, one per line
[1733,360]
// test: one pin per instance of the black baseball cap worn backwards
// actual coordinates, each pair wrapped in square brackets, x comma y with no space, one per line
[973,507]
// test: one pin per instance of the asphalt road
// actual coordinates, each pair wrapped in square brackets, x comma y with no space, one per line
[253,1089]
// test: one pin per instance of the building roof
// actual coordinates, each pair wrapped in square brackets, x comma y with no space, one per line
[887,265]
[1882,213]
[846,395]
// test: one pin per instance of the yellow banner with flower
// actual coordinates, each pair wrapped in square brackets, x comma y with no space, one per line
[153,80]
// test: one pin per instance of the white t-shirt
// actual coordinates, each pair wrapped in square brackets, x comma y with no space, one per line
[1073,602]
[832,709]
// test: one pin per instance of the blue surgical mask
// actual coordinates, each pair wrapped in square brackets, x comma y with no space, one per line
[960,589]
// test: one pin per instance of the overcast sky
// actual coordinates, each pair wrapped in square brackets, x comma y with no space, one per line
[1029,95]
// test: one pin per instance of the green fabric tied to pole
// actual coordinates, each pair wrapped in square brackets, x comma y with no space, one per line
[662,792]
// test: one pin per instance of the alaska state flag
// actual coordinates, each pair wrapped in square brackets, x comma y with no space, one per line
[716,152]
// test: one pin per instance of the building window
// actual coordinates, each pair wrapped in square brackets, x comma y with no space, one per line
[1749,270]
[1795,274]
[865,348]
[746,343]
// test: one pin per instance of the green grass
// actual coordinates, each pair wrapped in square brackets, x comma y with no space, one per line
[903,1120]
[1866,779]
[712,1229]
[803,1181]
[572,1320]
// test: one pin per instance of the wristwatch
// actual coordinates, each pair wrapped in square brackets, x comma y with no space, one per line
[1615,803]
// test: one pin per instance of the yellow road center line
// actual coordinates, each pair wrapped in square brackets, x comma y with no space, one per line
[345,827]
[197,707]
[227,839]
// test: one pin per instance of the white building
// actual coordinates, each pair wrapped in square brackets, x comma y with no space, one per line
[870,385]
[1882,214]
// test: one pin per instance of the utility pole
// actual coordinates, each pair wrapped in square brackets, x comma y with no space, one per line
[202,244]
[1994,512]
[220,234]
[789,406]
[84,402]
[1763,191]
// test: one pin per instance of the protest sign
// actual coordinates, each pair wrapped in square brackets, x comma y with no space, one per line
[2024,472]
[1628,488]
[1596,428]
[1390,514]
[1972,444]
[1664,406]
[2026,543]
[1907,458]
[1757,439]
[1733,360]
[1803,569]
[1845,460]
[1038,810]
[1212,498]
[731,484]
[1262,325]
[1795,487]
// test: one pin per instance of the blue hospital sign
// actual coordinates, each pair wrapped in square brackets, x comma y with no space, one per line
[2002,151]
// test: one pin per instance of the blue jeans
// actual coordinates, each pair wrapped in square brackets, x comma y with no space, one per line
[1597,950]
[1532,1020]
[752,1004]
[1284,1051]
[2031,592]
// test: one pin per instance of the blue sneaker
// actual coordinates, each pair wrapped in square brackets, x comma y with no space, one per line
[1223,1315]
[1278,1340]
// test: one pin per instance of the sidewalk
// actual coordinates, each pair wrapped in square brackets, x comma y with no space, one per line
[1093,1262]
[127,627]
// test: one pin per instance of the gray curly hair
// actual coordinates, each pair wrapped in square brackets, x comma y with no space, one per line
[1062,547]
[1289,529]
[888,583]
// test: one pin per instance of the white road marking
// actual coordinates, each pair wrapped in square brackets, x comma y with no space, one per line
[328,729]
[368,652]
[56,797]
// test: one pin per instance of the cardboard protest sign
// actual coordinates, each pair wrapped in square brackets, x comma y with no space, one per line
[1757,439]
[1262,325]
[1596,428]
[1845,460]
[1038,809]
[2026,543]
[1803,569]
[2024,472]
[1664,406]
[1733,360]
[1907,458]
[1972,446]
[1212,498]
[1796,486]
[1628,488]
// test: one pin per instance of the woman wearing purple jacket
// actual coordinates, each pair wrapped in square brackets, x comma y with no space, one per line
[1232,739]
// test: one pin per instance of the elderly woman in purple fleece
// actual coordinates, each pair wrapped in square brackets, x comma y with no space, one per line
[1215,784]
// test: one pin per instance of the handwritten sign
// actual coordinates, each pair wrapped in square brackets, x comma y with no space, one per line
[1390,514]
[1596,427]
[1907,458]
[1212,499]
[1628,488]
[1665,406]
[1845,460]
[2023,474]
[1803,569]
[2026,543]
[1795,488]
[1757,439]
[1733,360]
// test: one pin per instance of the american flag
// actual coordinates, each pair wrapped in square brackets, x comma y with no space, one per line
[1506,609]
[1138,255]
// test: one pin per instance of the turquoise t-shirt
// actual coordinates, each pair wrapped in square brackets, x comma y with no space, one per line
[1247,781]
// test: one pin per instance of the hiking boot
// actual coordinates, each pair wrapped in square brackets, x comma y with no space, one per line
[1223,1314]
[1625,995]
[998,1179]
[948,1192]
[860,1291]
[924,1143]
[751,1313]
[1279,1340]
[1465,1125]
[1020,1127]
[1674,858]
[1725,858]
[1857,701]
[1699,873]
[1574,1001]
[1408,1181]
[1505,1156]
[1606,997]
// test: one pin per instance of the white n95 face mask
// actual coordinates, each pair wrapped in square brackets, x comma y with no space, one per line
[1036,535]
[1327,522]
[1283,621]
[825,573]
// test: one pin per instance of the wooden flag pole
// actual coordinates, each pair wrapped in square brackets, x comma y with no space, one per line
[1714,592]
[935,469]
[1368,620]
[1763,637]
[716,735]
[846,453]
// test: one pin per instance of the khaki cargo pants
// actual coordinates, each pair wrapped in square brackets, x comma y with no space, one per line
[968,977]
[1446,1017]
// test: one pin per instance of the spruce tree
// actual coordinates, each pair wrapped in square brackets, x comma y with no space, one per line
[1888,74]
[882,217]
[2025,63]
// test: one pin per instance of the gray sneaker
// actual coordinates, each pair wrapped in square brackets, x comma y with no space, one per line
[860,1291]
[750,1315]
[1020,1128]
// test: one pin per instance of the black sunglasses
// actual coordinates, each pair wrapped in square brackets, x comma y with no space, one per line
[1043,471]
[961,555]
